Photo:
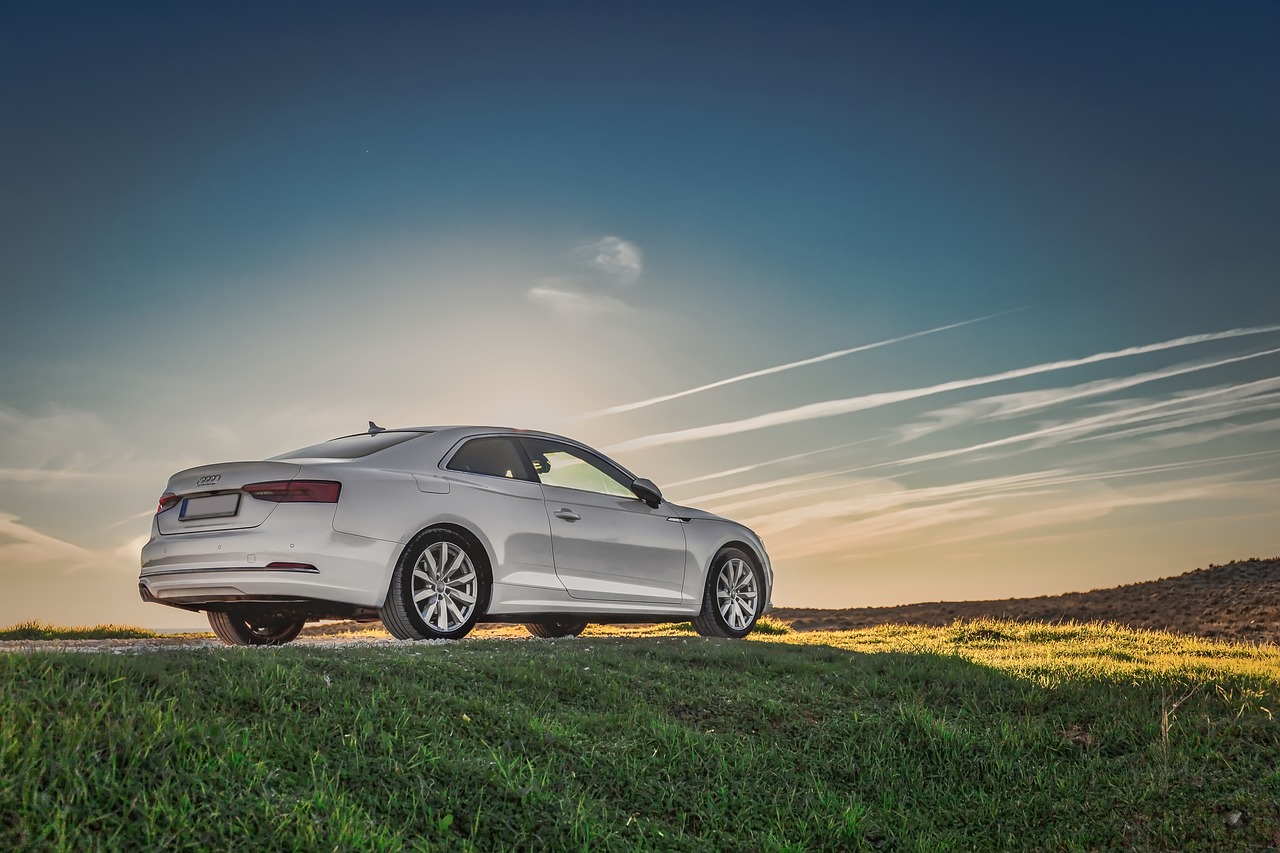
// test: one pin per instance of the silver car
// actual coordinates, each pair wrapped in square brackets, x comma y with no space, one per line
[433,529]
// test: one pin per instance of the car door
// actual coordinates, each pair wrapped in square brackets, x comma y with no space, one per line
[494,490]
[607,544]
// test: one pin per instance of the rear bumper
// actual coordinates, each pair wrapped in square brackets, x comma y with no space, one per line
[234,565]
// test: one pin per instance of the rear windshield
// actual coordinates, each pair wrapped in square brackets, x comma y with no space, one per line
[351,446]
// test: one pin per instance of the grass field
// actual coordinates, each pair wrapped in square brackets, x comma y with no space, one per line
[976,737]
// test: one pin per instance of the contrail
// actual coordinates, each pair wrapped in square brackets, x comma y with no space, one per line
[1093,423]
[1048,398]
[831,408]
[629,407]
[1121,418]
[1060,477]
[745,468]
[139,516]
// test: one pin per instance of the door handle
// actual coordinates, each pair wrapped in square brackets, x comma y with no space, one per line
[567,514]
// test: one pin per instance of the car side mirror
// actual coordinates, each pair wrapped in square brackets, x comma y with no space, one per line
[647,491]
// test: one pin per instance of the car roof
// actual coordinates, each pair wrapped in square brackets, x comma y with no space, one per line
[454,433]
[460,430]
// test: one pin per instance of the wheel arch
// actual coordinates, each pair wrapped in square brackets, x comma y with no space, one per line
[400,611]
[751,551]
[476,540]
[710,623]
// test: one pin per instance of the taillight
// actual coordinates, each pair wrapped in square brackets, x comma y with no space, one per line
[295,491]
[167,501]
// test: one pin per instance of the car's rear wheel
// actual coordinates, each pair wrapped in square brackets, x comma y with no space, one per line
[439,589]
[733,597]
[557,628]
[240,629]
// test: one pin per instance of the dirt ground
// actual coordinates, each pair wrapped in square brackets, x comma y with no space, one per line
[1239,601]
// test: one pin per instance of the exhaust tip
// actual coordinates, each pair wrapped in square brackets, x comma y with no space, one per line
[144,593]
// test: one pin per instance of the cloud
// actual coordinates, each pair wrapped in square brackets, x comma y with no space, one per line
[1185,437]
[58,445]
[900,526]
[745,468]
[618,259]
[613,263]
[1172,414]
[893,495]
[131,551]
[770,484]
[25,547]
[997,513]
[49,475]
[137,516]
[1015,518]
[628,407]
[572,303]
[1243,398]
[1042,479]
[831,408]
[57,581]
[1005,406]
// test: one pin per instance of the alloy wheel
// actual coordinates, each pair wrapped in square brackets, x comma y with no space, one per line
[737,595]
[445,586]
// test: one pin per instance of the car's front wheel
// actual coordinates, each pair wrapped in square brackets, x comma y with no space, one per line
[733,597]
[240,629]
[556,628]
[439,589]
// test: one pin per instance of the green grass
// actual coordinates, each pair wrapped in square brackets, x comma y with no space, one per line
[35,630]
[983,736]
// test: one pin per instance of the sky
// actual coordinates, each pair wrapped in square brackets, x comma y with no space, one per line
[947,301]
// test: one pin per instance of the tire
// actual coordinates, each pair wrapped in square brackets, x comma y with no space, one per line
[439,589]
[557,628]
[733,597]
[236,629]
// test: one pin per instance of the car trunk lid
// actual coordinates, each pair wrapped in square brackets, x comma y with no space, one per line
[212,497]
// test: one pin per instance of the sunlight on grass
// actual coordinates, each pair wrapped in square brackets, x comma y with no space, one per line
[35,630]
[1051,652]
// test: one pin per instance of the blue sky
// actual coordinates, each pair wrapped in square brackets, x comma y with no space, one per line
[233,230]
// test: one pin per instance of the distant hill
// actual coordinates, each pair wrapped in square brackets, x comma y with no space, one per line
[1238,601]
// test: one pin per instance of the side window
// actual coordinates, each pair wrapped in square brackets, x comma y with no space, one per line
[494,457]
[571,468]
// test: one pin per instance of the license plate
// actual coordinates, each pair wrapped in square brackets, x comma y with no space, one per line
[210,506]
